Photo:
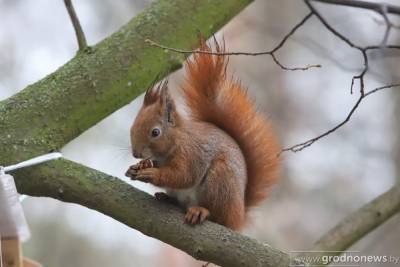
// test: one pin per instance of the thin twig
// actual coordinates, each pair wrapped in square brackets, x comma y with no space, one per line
[80,36]
[388,23]
[328,26]
[269,52]
[372,47]
[303,145]
[382,88]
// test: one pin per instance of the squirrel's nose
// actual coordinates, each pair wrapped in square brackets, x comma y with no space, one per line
[135,154]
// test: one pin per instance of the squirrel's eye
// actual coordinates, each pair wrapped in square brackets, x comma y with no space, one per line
[155,132]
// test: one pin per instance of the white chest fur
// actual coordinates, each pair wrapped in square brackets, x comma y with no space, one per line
[186,197]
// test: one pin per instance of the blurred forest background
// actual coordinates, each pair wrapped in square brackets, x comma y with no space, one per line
[320,185]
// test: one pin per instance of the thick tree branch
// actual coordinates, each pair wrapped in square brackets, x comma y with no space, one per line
[72,182]
[358,224]
[80,35]
[361,222]
[53,111]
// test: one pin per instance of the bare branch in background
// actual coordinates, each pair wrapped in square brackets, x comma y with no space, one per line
[80,35]
[388,24]
[301,146]
[391,9]
[382,9]
[360,76]
[359,223]
[269,52]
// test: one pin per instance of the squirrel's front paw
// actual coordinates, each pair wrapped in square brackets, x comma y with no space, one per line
[150,175]
[143,164]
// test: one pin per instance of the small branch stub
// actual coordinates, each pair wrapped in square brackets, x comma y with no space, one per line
[80,35]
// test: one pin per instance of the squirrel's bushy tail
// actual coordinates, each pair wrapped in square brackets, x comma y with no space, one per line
[213,98]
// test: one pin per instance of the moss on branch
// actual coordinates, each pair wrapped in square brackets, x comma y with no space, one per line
[99,80]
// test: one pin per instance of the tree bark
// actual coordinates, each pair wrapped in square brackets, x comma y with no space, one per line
[72,182]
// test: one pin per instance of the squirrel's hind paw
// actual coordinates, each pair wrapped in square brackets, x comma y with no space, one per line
[196,215]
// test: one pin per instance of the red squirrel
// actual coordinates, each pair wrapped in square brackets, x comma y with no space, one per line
[217,162]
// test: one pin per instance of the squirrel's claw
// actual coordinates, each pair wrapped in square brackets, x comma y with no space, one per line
[132,171]
[196,215]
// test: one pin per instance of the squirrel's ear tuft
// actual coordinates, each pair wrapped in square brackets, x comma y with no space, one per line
[151,96]
[153,92]
[167,104]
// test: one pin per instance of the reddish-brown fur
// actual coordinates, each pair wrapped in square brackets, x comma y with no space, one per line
[214,98]
[218,162]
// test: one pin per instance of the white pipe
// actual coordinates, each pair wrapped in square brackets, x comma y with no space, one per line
[34,161]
